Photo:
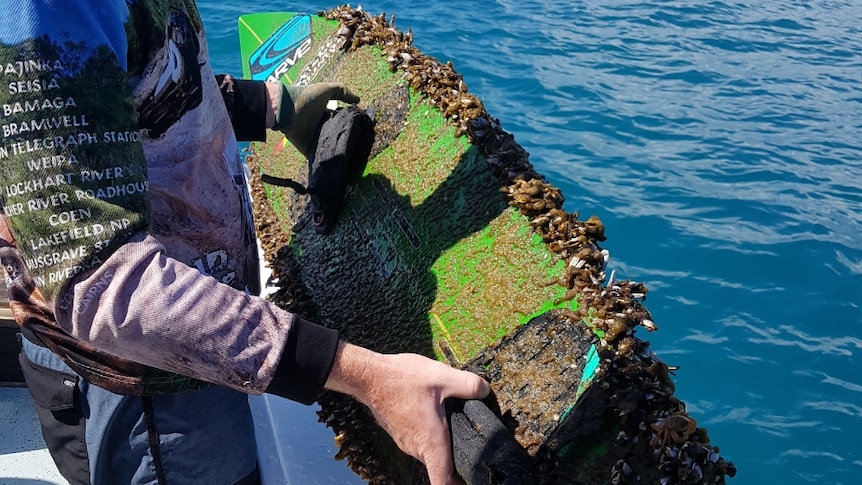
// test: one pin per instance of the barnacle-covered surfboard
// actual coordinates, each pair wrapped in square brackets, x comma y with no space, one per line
[449,244]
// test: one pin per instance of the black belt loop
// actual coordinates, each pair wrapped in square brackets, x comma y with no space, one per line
[32,338]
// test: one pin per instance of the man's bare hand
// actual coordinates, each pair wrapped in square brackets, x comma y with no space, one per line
[407,394]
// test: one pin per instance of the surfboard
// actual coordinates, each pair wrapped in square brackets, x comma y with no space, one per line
[449,244]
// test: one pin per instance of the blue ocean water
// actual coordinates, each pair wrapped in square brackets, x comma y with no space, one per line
[720,144]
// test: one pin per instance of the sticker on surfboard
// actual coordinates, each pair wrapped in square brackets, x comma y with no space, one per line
[282,50]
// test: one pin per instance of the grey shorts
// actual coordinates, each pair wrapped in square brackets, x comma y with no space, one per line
[98,437]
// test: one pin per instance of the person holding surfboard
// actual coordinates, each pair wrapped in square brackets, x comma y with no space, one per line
[127,242]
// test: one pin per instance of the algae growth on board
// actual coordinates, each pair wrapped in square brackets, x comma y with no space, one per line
[426,244]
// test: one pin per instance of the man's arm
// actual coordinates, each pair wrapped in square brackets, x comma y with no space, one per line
[296,111]
[251,345]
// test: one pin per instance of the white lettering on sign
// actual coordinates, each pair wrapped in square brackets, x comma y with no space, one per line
[43,104]
[28,66]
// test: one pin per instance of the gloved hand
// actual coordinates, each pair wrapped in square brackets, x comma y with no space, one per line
[301,109]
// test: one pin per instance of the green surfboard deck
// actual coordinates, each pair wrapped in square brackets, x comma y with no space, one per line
[429,255]
[426,256]
[433,252]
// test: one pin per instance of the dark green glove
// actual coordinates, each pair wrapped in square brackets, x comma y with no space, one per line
[301,109]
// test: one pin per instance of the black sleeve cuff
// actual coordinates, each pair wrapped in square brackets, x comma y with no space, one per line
[305,363]
[246,102]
